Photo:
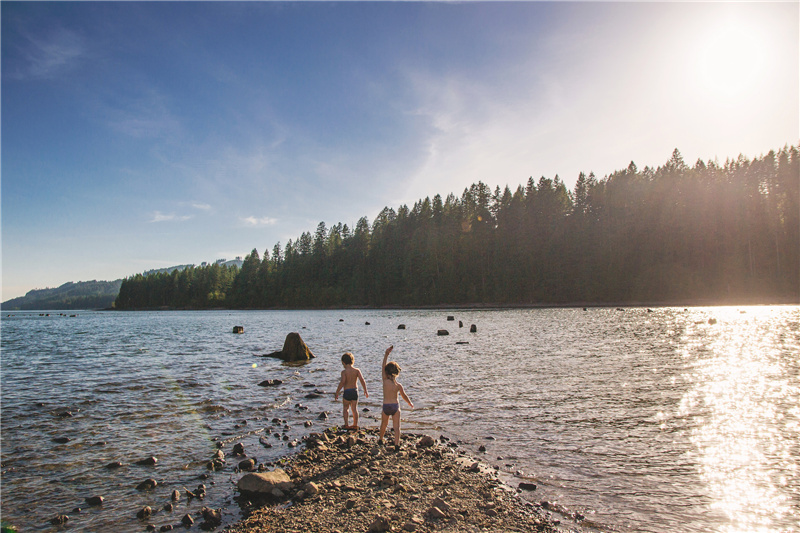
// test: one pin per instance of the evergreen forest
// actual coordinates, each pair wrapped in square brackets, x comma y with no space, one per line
[710,233]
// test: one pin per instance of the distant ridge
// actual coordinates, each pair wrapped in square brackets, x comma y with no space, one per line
[81,295]
[86,294]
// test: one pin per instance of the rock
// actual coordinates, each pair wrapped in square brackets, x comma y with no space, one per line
[150,461]
[147,484]
[401,326]
[307,423]
[436,513]
[176,495]
[265,482]
[294,349]
[168,527]
[59,520]
[482,448]
[473,328]
[95,500]
[366,323]
[277,493]
[168,507]
[115,464]
[441,504]
[442,332]
[238,329]
[270,383]
[451,318]
[527,486]
[460,324]
[247,465]
[61,440]
[187,520]
[311,488]
[212,517]
[144,512]
[426,442]
[238,449]
[323,416]
[381,523]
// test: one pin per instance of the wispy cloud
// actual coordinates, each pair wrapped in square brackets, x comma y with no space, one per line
[257,222]
[202,207]
[158,216]
[47,56]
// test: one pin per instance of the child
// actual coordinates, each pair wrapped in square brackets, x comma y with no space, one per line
[350,378]
[391,407]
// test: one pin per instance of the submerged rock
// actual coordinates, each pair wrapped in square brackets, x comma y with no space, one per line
[294,349]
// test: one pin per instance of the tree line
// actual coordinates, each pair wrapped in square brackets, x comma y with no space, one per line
[716,233]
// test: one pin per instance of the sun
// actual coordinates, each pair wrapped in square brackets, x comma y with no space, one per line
[730,59]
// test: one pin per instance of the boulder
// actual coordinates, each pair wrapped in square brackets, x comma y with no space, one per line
[473,328]
[294,349]
[401,326]
[59,520]
[442,332]
[212,517]
[247,465]
[426,442]
[147,484]
[150,461]
[187,520]
[265,482]
[270,382]
[238,329]
[527,486]
[144,513]
[381,523]
[94,500]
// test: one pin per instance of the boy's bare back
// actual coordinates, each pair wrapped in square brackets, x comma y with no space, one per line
[350,377]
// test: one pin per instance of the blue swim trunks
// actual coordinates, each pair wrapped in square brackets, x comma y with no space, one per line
[390,409]
[350,395]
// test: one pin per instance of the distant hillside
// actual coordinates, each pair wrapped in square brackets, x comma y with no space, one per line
[80,295]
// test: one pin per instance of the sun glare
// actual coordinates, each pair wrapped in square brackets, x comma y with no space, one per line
[730,60]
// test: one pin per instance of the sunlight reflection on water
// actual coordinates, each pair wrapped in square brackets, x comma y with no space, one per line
[745,395]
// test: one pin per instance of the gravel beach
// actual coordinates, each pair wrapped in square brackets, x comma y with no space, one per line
[348,481]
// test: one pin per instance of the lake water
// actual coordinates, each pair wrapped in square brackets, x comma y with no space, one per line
[659,420]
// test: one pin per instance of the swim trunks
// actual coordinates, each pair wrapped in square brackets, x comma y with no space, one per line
[350,395]
[390,409]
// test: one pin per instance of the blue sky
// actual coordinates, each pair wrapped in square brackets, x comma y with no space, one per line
[147,134]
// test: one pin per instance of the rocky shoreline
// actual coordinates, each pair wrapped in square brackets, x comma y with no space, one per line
[347,481]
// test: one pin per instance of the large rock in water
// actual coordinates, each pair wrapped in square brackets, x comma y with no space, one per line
[294,349]
[265,482]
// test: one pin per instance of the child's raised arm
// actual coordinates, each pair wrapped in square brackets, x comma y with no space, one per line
[385,357]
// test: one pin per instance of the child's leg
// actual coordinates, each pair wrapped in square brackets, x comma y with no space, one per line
[345,408]
[384,423]
[396,426]
[354,407]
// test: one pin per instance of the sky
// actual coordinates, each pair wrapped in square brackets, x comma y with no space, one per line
[141,135]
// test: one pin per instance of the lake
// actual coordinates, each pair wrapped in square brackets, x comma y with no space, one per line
[643,420]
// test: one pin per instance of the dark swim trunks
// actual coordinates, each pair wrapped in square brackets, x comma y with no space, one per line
[350,395]
[390,409]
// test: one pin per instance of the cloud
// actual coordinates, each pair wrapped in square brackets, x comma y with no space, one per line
[257,222]
[47,56]
[202,207]
[158,216]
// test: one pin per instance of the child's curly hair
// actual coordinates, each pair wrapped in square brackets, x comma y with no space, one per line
[347,358]
[392,369]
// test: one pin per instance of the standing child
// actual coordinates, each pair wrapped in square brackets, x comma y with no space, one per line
[391,406]
[349,382]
